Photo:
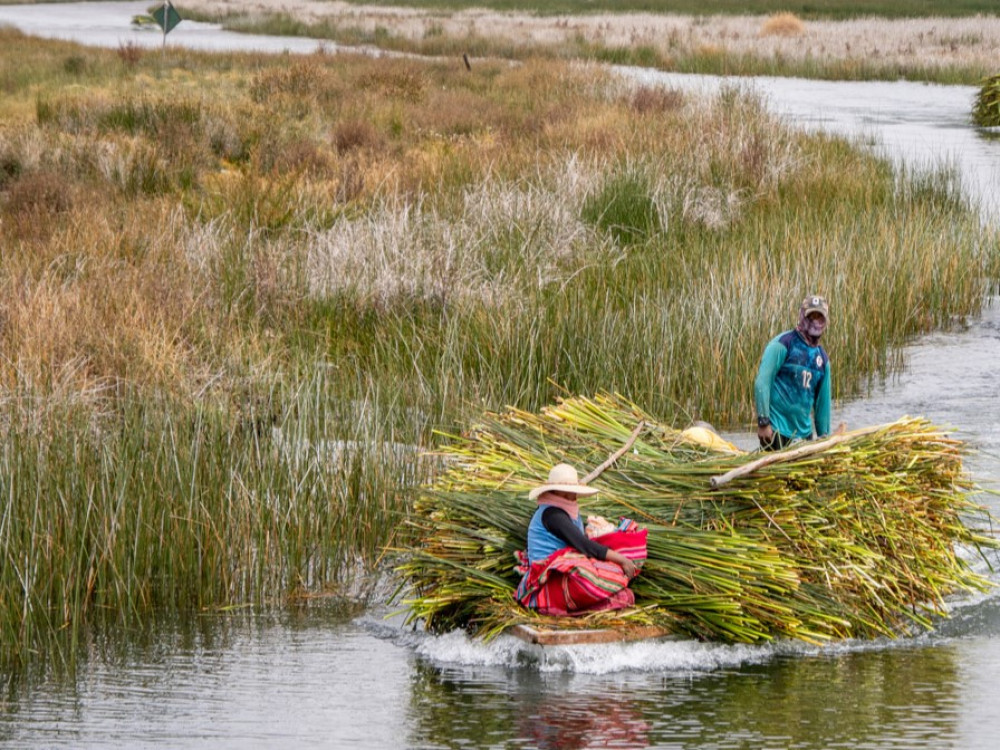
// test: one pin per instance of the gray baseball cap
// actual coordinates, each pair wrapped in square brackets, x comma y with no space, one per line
[815,303]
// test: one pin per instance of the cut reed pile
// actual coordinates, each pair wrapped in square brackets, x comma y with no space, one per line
[860,539]
[986,108]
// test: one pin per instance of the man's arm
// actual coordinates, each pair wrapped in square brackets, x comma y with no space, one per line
[823,405]
[771,361]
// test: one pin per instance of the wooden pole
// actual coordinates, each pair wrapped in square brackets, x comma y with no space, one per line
[616,455]
[790,455]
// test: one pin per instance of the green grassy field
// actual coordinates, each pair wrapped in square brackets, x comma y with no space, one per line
[240,293]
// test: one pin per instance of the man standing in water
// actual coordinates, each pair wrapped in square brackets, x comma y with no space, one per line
[792,389]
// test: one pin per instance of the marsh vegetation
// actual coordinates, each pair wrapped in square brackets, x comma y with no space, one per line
[812,9]
[239,293]
[926,41]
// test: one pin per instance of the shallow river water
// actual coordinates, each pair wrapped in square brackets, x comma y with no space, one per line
[320,677]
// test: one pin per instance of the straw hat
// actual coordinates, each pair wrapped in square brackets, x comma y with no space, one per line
[562,478]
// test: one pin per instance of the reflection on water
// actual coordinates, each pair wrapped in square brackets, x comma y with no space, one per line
[457,707]
[904,693]
[305,678]
[317,678]
[556,723]
[903,697]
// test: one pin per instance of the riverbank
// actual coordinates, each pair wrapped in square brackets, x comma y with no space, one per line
[942,50]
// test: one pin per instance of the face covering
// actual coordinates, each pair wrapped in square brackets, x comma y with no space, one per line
[811,328]
[570,506]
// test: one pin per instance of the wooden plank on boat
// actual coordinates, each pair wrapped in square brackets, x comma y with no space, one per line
[572,637]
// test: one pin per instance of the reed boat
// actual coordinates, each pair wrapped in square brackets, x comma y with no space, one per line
[549,636]
[856,535]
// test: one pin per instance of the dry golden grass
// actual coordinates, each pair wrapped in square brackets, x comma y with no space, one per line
[945,49]
[114,273]
[656,100]
[98,303]
[783,24]
[162,229]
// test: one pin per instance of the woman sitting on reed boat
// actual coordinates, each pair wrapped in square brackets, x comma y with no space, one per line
[564,572]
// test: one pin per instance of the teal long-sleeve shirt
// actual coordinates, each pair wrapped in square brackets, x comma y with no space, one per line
[792,387]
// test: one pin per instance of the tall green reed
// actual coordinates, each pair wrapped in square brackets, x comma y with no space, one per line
[675,310]
[181,507]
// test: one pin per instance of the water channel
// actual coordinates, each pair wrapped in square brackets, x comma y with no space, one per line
[324,677]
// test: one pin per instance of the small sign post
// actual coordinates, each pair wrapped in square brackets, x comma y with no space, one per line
[166,16]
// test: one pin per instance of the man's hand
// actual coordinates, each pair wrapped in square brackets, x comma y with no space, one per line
[766,433]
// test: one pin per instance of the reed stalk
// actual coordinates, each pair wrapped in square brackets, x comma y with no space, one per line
[164,507]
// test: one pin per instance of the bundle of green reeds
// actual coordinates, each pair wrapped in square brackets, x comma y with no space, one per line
[986,108]
[857,536]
